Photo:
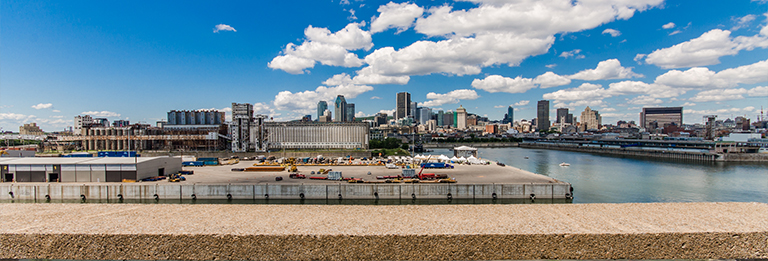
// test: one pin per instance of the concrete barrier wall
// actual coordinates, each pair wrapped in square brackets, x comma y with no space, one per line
[282,191]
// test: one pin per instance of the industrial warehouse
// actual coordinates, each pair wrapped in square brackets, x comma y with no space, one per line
[103,169]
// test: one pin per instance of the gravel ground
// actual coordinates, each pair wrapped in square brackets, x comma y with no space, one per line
[301,232]
[362,220]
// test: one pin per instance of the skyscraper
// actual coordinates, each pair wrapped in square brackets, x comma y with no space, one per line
[590,119]
[440,118]
[341,109]
[350,113]
[562,115]
[461,118]
[542,115]
[403,106]
[321,107]
[510,116]
[425,114]
[413,111]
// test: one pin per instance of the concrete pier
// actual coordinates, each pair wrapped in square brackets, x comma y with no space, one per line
[437,232]
[165,190]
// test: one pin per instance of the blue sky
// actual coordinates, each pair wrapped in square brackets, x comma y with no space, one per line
[137,60]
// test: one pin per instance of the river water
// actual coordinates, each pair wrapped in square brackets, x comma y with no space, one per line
[615,179]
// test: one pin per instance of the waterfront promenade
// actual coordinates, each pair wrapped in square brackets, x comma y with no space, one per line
[436,232]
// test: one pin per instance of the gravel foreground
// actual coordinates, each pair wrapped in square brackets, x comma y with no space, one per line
[347,232]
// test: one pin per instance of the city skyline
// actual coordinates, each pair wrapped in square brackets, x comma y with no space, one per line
[62,59]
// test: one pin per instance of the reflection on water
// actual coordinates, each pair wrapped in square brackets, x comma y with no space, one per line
[308,201]
[616,179]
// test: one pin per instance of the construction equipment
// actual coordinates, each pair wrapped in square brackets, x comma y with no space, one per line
[176,177]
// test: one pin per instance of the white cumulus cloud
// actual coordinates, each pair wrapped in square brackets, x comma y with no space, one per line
[223,27]
[498,83]
[306,102]
[41,106]
[324,47]
[522,103]
[493,33]
[608,69]
[758,91]
[573,53]
[699,77]
[719,95]
[437,99]
[669,25]
[550,79]
[585,91]
[101,113]
[392,15]
[612,32]
[704,50]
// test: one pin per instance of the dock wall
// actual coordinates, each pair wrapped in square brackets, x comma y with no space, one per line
[663,154]
[42,191]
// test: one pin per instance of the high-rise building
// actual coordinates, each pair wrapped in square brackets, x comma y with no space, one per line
[380,118]
[440,118]
[542,115]
[510,116]
[413,111]
[321,107]
[403,106]
[80,122]
[425,114]
[461,118]
[448,119]
[590,119]
[240,130]
[350,113]
[340,109]
[562,115]
[653,118]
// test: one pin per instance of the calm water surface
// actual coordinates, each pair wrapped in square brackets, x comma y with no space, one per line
[607,179]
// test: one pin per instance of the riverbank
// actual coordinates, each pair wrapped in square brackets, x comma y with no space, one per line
[467,232]
[653,153]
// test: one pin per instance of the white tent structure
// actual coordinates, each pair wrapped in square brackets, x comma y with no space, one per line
[473,160]
[443,157]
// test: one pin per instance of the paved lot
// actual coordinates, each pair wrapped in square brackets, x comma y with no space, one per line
[478,174]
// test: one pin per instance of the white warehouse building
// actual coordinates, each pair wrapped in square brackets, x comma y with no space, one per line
[102,169]
[316,135]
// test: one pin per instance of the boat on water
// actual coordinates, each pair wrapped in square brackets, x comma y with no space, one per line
[564,164]
[526,157]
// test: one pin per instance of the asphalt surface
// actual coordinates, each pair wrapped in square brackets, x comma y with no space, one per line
[476,174]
